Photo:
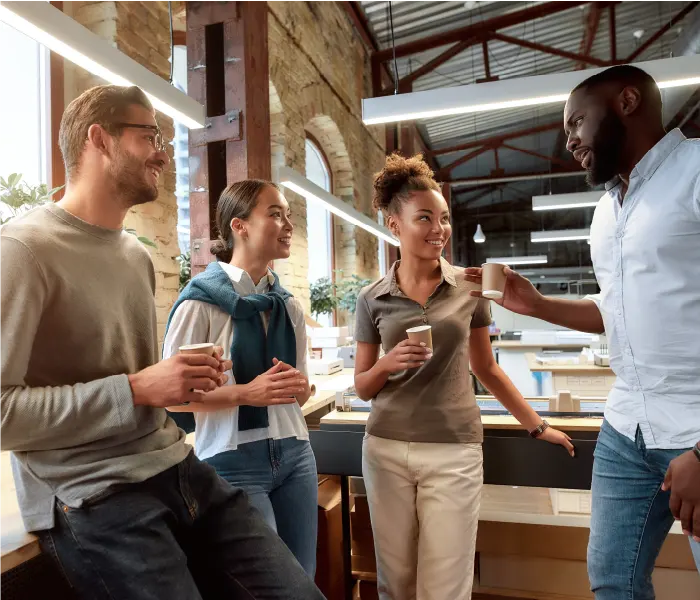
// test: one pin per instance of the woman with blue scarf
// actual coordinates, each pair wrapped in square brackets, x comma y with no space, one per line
[256,438]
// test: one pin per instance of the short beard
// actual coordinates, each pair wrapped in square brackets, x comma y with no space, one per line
[129,179]
[607,147]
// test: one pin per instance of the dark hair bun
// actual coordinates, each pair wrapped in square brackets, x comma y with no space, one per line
[222,250]
[401,176]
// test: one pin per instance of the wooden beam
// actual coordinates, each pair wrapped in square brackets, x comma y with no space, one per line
[674,21]
[550,50]
[457,35]
[179,38]
[56,108]
[228,72]
[499,139]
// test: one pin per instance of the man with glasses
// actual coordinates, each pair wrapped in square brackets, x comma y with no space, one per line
[104,477]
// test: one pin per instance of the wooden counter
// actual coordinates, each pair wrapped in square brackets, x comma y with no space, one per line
[18,546]
[326,387]
[490,421]
[588,369]
[580,380]
[516,345]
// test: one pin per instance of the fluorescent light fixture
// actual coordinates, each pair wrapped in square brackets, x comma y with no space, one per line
[564,201]
[562,235]
[513,93]
[539,259]
[65,36]
[296,182]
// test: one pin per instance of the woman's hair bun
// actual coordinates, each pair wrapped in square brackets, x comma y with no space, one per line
[399,177]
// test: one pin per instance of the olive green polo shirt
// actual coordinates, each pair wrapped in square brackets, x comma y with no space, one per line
[434,402]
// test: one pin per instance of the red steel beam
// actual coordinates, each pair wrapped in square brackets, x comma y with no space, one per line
[674,21]
[552,159]
[613,34]
[592,24]
[499,139]
[439,60]
[550,50]
[536,174]
[466,158]
[360,22]
[457,35]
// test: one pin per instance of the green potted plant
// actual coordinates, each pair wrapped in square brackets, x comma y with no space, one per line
[185,261]
[348,291]
[18,197]
[323,297]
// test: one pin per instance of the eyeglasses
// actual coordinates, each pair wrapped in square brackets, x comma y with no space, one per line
[156,141]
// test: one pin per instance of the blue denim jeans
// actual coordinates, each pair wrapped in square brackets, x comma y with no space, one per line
[630,516]
[282,483]
[184,534]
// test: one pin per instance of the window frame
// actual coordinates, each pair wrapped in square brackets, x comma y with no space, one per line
[331,220]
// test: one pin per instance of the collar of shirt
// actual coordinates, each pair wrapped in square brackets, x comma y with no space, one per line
[388,285]
[653,159]
[242,281]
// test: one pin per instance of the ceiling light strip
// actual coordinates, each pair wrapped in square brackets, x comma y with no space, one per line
[296,182]
[65,36]
[512,93]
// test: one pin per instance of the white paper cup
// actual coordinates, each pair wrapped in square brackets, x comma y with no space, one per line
[197,349]
[422,333]
[493,280]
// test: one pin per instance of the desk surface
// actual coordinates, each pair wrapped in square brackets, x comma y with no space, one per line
[559,368]
[516,345]
[490,421]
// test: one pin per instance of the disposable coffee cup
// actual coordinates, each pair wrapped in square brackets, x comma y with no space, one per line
[421,334]
[493,280]
[207,349]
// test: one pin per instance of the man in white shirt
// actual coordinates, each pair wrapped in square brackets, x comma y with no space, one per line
[645,247]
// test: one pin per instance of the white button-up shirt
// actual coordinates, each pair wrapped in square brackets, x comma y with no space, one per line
[195,322]
[646,255]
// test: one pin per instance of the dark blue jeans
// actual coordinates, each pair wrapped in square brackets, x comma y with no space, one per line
[185,534]
[282,483]
[630,516]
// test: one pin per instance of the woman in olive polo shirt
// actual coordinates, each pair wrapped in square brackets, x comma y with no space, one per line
[422,459]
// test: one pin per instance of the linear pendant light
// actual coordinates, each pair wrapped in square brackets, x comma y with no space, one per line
[561,235]
[512,93]
[65,36]
[538,259]
[564,201]
[296,182]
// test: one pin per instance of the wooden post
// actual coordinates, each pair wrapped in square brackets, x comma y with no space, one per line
[228,72]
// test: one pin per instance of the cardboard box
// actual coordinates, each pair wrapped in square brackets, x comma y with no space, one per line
[329,550]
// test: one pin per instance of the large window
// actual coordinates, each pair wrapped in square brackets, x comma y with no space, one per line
[318,222]
[181,154]
[24,107]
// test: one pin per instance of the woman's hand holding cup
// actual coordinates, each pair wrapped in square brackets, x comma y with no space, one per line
[407,354]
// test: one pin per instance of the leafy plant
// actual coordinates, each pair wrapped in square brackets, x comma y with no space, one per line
[19,197]
[348,291]
[323,298]
[185,261]
[144,240]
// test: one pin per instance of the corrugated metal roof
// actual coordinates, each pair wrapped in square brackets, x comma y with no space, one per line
[415,20]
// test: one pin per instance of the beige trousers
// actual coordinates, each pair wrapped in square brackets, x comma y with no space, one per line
[424,506]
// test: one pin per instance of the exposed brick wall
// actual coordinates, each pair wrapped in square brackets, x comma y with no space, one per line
[118,23]
[319,73]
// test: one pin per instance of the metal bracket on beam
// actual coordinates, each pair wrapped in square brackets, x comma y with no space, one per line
[218,129]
